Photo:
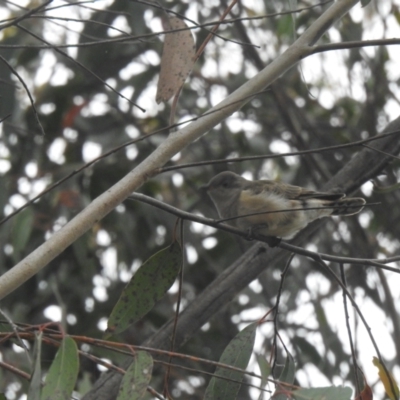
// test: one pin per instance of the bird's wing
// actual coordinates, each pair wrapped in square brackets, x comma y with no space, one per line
[291,192]
[310,194]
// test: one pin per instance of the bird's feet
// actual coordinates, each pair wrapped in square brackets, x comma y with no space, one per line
[272,241]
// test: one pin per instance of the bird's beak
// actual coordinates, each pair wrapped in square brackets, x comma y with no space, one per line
[204,188]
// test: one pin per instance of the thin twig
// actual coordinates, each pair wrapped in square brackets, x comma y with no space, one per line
[196,24]
[13,71]
[55,48]
[353,45]
[15,21]
[276,308]
[214,29]
[288,154]
[347,317]
[283,210]
[381,152]
[319,261]
[102,156]
[284,245]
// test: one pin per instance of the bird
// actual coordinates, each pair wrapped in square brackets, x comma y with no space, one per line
[254,205]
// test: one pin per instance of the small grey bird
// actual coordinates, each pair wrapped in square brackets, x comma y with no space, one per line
[234,196]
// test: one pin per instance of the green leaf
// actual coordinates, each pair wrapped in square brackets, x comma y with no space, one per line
[287,376]
[147,286]
[265,369]
[21,231]
[308,351]
[236,354]
[137,377]
[365,2]
[285,26]
[36,379]
[292,7]
[61,378]
[325,393]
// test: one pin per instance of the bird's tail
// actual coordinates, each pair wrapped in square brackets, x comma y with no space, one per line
[348,206]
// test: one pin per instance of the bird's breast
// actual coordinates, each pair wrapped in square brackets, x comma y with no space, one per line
[271,222]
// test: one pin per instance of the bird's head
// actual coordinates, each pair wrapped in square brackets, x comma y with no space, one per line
[224,188]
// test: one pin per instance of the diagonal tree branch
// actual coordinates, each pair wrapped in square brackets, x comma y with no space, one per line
[177,141]
[253,262]
[361,168]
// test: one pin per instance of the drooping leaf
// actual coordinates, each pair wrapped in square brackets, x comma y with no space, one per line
[36,379]
[236,354]
[391,387]
[293,6]
[137,377]
[265,369]
[61,378]
[365,2]
[325,393]
[21,231]
[147,286]
[287,376]
[176,61]
[307,350]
